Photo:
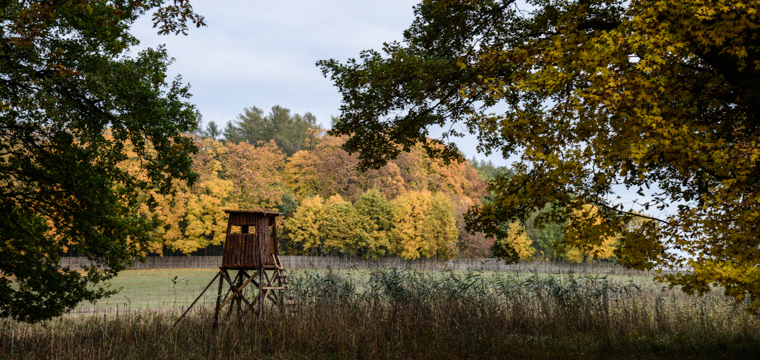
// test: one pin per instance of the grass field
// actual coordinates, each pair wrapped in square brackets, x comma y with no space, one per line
[397,314]
[155,288]
[161,288]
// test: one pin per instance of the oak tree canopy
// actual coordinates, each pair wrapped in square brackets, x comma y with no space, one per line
[594,97]
[72,100]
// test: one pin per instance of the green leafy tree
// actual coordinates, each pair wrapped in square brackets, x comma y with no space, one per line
[304,228]
[545,235]
[211,131]
[288,204]
[374,223]
[288,131]
[339,227]
[71,100]
[593,96]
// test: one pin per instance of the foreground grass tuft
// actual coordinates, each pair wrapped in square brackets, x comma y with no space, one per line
[419,315]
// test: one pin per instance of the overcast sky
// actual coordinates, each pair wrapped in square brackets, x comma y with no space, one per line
[263,53]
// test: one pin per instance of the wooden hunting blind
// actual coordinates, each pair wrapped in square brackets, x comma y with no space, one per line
[254,248]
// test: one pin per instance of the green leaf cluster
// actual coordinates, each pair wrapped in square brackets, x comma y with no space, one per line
[71,100]
[288,131]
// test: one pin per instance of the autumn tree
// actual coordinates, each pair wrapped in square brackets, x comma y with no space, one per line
[373,213]
[204,221]
[594,96]
[423,225]
[255,173]
[339,227]
[190,217]
[67,75]
[514,244]
[470,243]
[441,226]
[336,226]
[336,169]
[421,171]
[304,227]
[581,241]
[301,176]
[166,210]
[328,169]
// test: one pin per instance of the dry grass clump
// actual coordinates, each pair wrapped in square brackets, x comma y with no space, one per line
[418,315]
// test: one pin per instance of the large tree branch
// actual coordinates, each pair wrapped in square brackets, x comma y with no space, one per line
[629,213]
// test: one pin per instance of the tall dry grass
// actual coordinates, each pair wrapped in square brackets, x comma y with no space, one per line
[399,314]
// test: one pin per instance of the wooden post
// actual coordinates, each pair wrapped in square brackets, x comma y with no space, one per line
[218,299]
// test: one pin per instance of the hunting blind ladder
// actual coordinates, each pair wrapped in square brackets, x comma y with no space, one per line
[255,249]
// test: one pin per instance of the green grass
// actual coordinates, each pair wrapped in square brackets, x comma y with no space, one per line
[155,288]
[161,288]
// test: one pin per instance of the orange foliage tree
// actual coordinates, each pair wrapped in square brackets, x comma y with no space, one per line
[256,174]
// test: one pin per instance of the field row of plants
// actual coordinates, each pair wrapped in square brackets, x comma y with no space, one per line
[408,314]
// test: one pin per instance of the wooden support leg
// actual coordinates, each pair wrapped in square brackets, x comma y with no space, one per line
[232,297]
[281,297]
[238,301]
[218,299]
[261,292]
[196,299]
[237,291]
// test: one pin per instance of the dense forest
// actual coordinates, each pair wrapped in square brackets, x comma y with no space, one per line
[413,207]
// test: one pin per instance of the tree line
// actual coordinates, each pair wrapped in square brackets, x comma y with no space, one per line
[412,207]
[330,206]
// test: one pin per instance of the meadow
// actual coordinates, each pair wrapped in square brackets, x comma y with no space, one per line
[401,314]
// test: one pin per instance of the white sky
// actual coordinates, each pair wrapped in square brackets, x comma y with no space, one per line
[263,53]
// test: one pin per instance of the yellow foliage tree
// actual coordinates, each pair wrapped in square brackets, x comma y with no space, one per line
[423,225]
[585,236]
[256,174]
[328,169]
[204,219]
[167,210]
[189,218]
[300,175]
[374,219]
[515,244]
[339,226]
[304,227]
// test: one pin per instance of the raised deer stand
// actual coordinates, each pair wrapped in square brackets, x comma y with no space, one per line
[254,253]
